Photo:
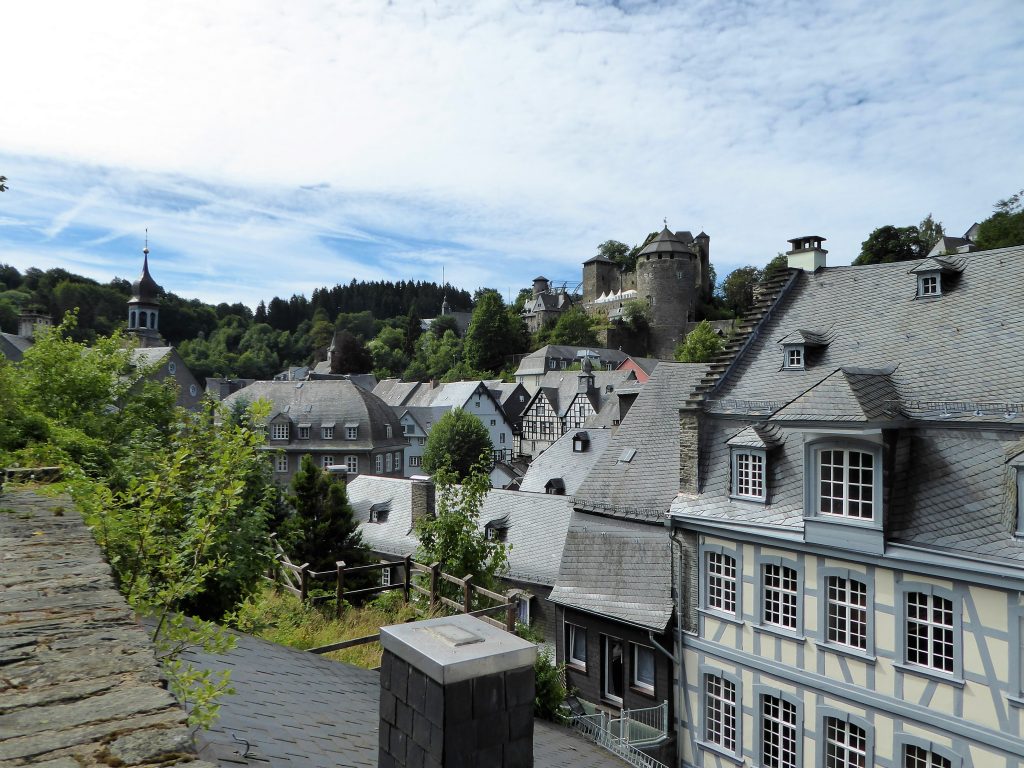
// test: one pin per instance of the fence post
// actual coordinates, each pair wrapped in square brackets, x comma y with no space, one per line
[339,590]
[303,582]
[467,593]
[408,578]
[510,611]
[435,569]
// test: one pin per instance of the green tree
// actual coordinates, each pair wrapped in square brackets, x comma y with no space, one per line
[575,328]
[738,289]
[453,536]
[458,443]
[701,345]
[1005,227]
[323,529]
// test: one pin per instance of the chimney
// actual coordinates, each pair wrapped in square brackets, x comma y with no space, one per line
[421,499]
[806,253]
[455,691]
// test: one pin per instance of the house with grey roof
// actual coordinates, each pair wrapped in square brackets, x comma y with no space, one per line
[571,400]
[342,426]
[850,520]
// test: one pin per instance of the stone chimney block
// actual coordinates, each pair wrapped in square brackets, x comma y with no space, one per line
[455,691]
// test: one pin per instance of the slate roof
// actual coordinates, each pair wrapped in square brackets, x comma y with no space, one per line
[648,483]
[13,347]
[323,402]
[294,708]
[560,461]
[536,530]
[616,569]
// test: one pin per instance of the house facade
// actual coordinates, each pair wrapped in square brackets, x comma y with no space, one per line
[850,520]
[341,426]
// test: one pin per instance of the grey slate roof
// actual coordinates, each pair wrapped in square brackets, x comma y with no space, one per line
[650,481]
[294,708]
[560,461]
[324,402]
[616,569]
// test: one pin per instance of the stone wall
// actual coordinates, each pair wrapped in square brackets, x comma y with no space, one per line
[81,686]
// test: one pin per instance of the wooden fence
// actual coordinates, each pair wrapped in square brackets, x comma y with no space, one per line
[298,580]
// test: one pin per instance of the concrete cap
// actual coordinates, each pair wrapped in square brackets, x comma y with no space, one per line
[455,648]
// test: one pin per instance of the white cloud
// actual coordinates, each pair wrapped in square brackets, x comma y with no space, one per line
[499,137]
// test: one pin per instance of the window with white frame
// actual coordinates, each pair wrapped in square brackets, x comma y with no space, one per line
[780,596]
[279,431]
[327,461]
[847,612]
[352,464]
[794,358]
[748,474]
[919,757]
[643,668]
[846,744]
[352,433]
[929,285]
[575,646]
[378,463]
[779,724]
[327,433]
[303,433]
[281,462]
[846,483]
[721,581]
[388,463]
[720,712]
[931,627]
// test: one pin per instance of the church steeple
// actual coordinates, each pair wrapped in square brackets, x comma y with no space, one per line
[144,305]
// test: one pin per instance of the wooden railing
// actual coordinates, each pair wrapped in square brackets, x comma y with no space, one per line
[298,580]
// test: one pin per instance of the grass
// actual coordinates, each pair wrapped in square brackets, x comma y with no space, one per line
[282,618]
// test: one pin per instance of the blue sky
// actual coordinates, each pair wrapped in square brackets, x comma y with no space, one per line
[275,147]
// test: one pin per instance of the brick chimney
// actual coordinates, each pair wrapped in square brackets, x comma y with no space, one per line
[455,691]
[421,499]
[806,253]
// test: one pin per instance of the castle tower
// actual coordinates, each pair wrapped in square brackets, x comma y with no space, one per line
[144,307]
[599,277]
[667,273]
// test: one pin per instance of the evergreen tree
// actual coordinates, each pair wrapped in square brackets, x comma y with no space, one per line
[323,529]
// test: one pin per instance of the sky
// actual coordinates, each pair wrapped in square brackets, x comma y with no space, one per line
[271,148]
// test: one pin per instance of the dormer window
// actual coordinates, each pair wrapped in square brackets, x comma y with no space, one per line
[929,284]
[794,358]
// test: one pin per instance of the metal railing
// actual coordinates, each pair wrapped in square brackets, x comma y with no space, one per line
[621,735]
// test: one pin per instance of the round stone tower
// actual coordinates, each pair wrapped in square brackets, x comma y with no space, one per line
[667,273]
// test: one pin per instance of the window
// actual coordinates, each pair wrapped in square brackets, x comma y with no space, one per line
[352,464]
[931,625]
[281,463]
[378,463]
[721,582]
[780,602]
[612,668]
[919,757]
[387,430]
[929,285]
[643,668]
[720,712]
[327,461]
[303,433]
[279,431]
[576,646]
[846,744]
[779,743]
[794,358]
[327,433]
[414,461]
[846,482]
[351,433]
[388,464]
[847,612]
[748,474]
